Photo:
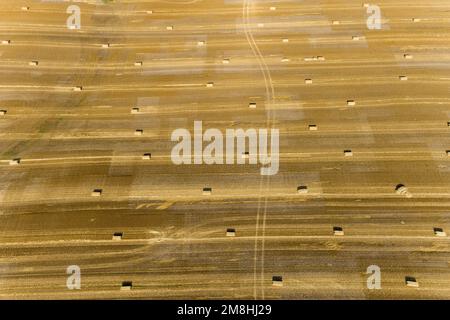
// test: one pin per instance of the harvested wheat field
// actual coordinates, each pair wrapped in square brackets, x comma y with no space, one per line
[119,179]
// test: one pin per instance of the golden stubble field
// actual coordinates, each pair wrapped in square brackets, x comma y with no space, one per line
[87,114]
